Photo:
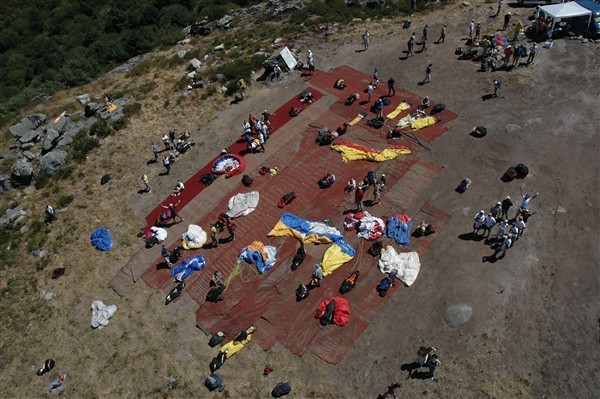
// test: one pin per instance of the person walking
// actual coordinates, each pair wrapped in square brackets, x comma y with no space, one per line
[213,235]
[154,149]
[375,78]
[365,39]
[496,209]
[424,45]
[427,78]
[146,184]
[471,29]
[497,84]
[532,52]
[261,140]
[425,33]
[167,164]
[506,20]
[506,243]
[370,91]
[359,194]
[520,225]
[242,88]
[411,44]
[433,364]
[50,216]
[173,210]
[166,141]
[478,31]
[506,205]
[500,4]
[442,38]
[391,89]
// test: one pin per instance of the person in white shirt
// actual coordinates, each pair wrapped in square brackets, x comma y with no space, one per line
[490,222]
[525,200]
[479,222]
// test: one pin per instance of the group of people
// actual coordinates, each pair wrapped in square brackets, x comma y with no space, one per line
[257,131]
[359,190]
[508,230]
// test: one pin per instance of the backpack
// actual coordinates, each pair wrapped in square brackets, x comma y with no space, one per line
[208,179]
[462,187]
[376,123]
[264,170]
[298,257]
[287,199]
[294,111]
[375,249]
[383,286]
[213,382]
[217,362]
[301,292]
[386,101]
[281,389]
[438,108]
[349,282]
[105,179]
[247,180]
[521,170]
[217,339]
[479,131]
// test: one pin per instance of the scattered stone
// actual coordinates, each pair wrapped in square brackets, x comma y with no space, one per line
[46,295]
[466,3]
[194,64]
[332,30]
[30,137]
[52,137]
[220,77]
[206,57]
[277,41]
[4,183]
[84,98]
[11,216]
[192,75]
[171,383]
[203,28]
[458,314]
[182,53]
[276,7]
[184,42]
[560,209]
[225,22]
[223,89]
[24,229]
[39,253]
[584,40]
[21,173]
[51,163]
[27,124]
[28,155]
[127,66]
[220,47]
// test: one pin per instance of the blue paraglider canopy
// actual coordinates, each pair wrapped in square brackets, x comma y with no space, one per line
[101,239]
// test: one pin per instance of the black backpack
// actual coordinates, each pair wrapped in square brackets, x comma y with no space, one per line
[247,180]
[438,108]
[281,389]
[301,292]
[217,339]
[349,282]
[376,123]
[298,257]
[479,131]
[214,294]
[208,179]
[217,362]
[522,171]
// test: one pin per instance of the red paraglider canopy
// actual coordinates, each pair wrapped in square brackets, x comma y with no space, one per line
[341,314]
[229,165]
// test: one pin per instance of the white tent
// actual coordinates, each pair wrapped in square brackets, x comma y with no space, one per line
[565,10]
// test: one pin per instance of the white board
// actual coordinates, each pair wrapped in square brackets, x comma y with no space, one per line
[289,59]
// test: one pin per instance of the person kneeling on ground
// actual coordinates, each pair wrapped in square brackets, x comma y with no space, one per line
[179,187]
[327,180]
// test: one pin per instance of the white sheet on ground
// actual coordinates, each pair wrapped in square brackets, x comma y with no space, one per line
[242,204]
[405,264]
[271,251]
[101,314]
[194,237]
[159,232]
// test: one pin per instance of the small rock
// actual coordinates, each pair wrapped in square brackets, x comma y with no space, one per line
[24,229]
[46,295]
[223,89]
[278,40]
[220,77]
[584,40]
[192,75]
[171,382]
[182,53]
[184,42]
[466,3]
[28,155]
[560,209]
[84,98]
[206,57]
[458,314]
[21,173]
[194,64]
[38,253]
[220,47]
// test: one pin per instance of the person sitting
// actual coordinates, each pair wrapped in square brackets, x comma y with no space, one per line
[350,186]
[306,97]
[327,180]
[179,187]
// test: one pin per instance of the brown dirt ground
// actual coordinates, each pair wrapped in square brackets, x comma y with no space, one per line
[535,325]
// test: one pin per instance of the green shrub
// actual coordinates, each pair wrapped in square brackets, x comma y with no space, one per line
[82,145]
[65,200]
[132,109]
[100,129]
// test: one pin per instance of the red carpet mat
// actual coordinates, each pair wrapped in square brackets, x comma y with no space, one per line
[268,300]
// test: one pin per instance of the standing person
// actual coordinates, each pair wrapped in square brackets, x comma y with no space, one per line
[471,29]
[213,235]
[382,181]
[424,45]
[173,210]
[532,52]
[442,38]
[375,78]
[242,88]
[265,117]
[261,140]
[506,205]
[146,184]
[391,89]
[520,224]
[525,200]
[497,84]
[50,216]
[167,164]
[506,20]
[166,141]
[276,72]
[359,194]
[502,228]
[379,108]
[496,209]
[413,5]
[376,193]
[370,91]
[500,4]
[490,222]
[165,253]
[479,223]
[154,149]
[433,364]
[428,74]
[411,44]
[365,39]
[478,31]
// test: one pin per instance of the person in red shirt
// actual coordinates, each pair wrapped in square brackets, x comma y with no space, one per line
[358,197]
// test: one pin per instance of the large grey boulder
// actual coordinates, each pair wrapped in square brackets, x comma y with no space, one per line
[225,22]
[116,114]
[60,126]
[73,130]
[28,155]
[91,109]
[27,124]
[21,173]
[51,139]
[194,64]
[51,163]
[276,7]
[4,183]
[12,217]
[29,137]
[203,28]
